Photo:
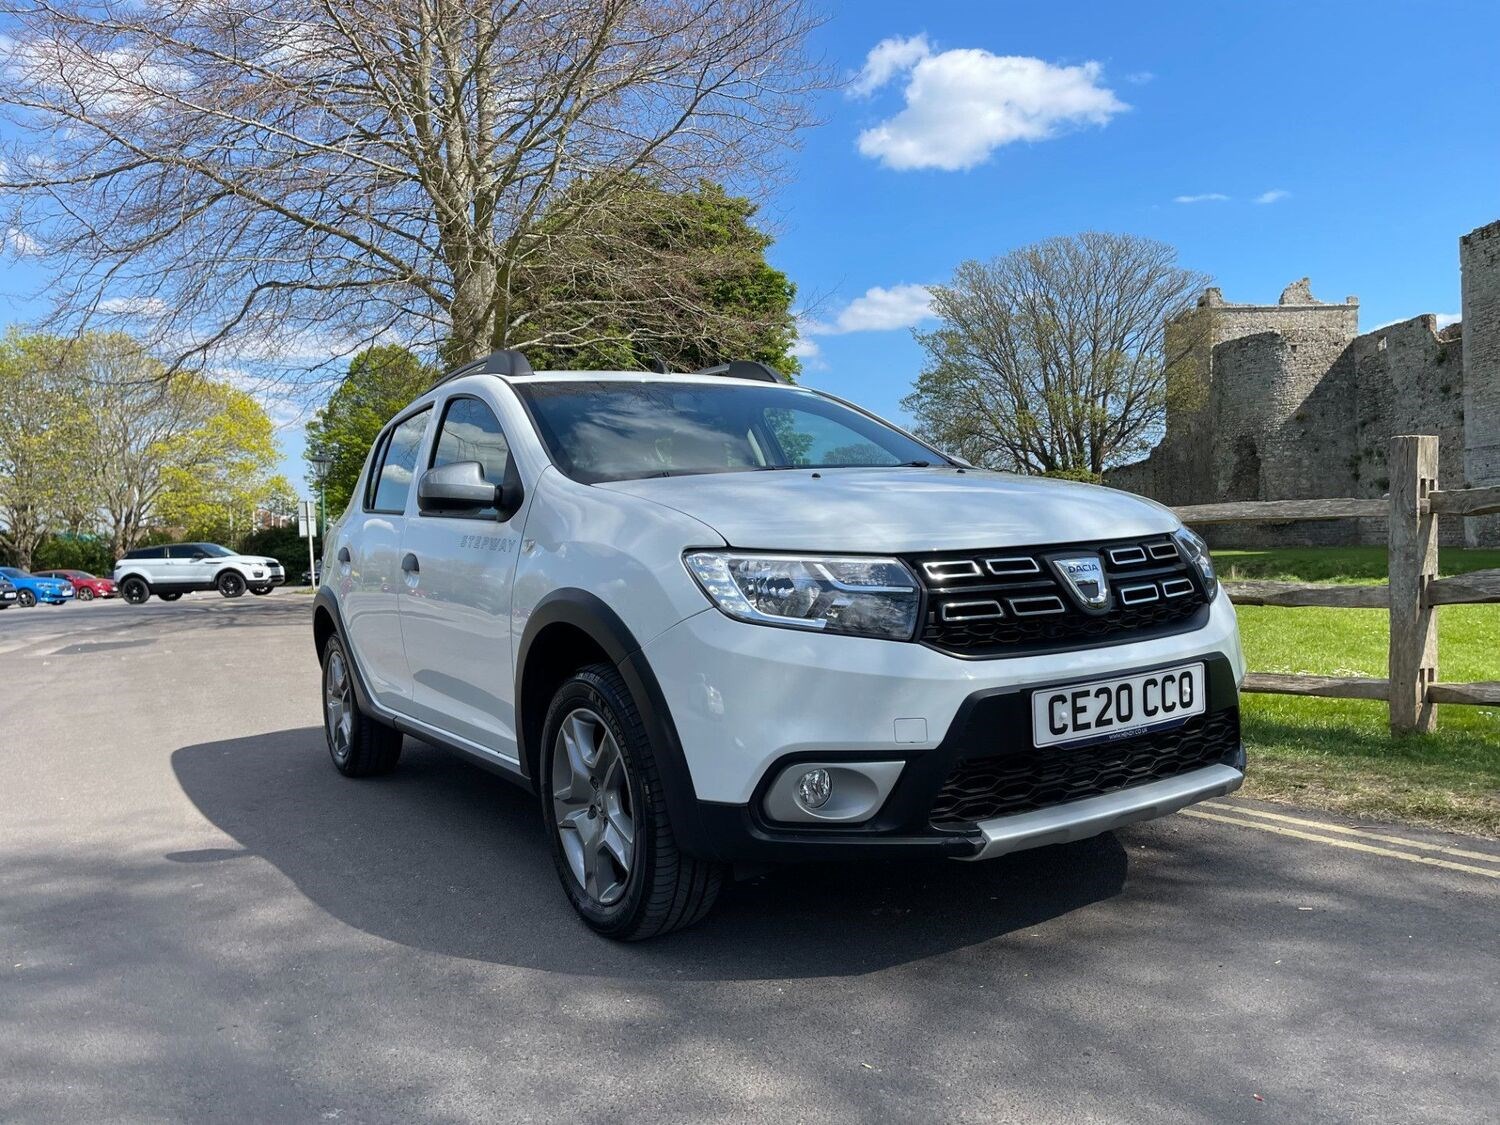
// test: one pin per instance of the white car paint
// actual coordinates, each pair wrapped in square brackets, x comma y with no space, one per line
[439,646]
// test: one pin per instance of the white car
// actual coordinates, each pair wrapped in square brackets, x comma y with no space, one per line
[173,569]
[717,619]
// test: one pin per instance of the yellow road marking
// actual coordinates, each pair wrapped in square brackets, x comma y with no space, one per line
[1352,845]
[1342,831]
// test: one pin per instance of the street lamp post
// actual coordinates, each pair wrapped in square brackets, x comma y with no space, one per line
[321,465]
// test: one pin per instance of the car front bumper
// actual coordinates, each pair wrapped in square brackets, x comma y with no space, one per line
[747,702]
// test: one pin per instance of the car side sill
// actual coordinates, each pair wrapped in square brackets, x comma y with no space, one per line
[1078,820]
[486,759]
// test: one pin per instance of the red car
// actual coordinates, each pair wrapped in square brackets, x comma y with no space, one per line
[86,584]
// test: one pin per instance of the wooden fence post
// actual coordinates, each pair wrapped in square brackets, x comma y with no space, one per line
[1413,564]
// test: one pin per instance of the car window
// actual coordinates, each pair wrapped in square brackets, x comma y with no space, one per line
[148,553]
[398,464]
[471,432]
[616,430]
[185,551]
[817,440]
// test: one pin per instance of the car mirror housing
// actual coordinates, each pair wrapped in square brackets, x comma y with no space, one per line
[462,487]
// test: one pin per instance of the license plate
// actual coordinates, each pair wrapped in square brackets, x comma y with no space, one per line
[1117,708]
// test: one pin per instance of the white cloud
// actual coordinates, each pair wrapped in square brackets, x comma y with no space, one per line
[1206,197]
[887,59]
[1140,77]
[806,349]
[21,244]
[134,306]
[963,104]
[1445,319]
[877,310]
[1275,195]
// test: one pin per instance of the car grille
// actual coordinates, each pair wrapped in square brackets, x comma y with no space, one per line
[980,788]
[1010,602]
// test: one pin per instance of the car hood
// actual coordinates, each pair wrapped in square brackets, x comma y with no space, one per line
[900,510]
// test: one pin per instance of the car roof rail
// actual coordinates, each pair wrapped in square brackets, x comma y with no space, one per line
[506,361]
[745,369]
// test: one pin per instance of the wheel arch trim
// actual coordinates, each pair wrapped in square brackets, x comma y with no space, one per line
[593,617]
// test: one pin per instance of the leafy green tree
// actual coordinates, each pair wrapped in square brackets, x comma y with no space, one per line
[381,380]
[675,276]
[44,480]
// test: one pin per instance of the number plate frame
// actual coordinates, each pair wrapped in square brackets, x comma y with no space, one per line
[1056,706]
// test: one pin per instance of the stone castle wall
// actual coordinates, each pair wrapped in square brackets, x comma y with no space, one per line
[1479,258]
[1295,404]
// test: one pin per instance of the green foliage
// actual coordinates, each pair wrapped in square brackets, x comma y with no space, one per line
[595,299]
[68,552]
[1087,476]
[216,474]
[96,438]
[1339,564]
[1339,754]
[44,480]
[284,545]
[381,380]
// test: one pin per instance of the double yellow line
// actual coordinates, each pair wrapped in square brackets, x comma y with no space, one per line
[1337,836]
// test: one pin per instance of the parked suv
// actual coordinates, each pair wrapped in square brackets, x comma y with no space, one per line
[715,619]
[173,569]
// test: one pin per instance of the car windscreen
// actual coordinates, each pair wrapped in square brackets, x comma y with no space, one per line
[597,430]
[213,550]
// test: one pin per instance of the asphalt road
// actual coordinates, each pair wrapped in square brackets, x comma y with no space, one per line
[202,921]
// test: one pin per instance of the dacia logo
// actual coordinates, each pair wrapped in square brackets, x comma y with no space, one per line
[1084,576]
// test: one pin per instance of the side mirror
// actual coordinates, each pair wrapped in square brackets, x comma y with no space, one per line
[462,487]
[459,487]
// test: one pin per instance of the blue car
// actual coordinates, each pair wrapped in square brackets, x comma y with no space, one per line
[32,588]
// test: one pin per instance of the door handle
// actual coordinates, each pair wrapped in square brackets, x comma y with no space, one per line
[410,564]
[344,556]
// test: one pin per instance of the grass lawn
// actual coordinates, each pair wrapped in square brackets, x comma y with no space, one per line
[1338,753]
[1338,564]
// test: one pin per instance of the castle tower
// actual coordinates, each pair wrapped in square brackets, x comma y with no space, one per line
[1479,259]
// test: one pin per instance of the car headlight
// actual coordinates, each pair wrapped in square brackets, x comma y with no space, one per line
[862,597]
[1196,549]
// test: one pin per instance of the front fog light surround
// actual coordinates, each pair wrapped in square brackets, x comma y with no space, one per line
[1196,550]
[848,594]
[846,792]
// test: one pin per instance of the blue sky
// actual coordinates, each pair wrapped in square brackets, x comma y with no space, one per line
[981,126]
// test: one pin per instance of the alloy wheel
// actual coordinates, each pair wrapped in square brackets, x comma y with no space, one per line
[595,805]
[231,585]
[85,594]
[26,598]
[135,591]
[338,706]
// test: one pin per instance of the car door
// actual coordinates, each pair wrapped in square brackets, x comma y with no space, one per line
[455,617]
[371,581]
[187,565]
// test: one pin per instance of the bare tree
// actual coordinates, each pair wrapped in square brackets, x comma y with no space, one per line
[254,177]
[1052,358]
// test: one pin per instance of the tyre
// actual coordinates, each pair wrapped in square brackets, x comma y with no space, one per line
[607,817]
[359,745]
[260,591]
[135,591]
[25,598]
[231,584]
[85,594]
[170,597]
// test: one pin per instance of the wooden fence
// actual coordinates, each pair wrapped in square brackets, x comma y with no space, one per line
[1412,594]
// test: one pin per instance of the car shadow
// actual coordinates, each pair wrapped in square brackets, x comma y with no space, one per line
[446,857]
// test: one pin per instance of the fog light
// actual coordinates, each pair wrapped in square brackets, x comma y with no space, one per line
[814,788]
